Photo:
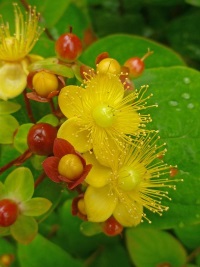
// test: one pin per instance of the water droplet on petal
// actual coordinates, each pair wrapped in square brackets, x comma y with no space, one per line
[186,80]
[190,105]
[173,103]
[198,201]
[186,96]
[181,225]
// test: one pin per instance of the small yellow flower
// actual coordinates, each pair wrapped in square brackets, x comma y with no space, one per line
[133,181]
[14,49]
[100,116]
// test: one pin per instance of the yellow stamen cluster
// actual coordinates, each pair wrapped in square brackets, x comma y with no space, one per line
[137,175]
[106,126]
[102,113]
[15,47]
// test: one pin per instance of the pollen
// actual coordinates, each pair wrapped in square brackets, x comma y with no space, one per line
[103,113]
[140,177]
[14,47]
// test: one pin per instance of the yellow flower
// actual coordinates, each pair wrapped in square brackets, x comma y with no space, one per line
[14,49]
[133,181]
[99,115]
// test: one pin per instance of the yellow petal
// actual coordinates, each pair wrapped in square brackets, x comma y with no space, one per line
[25,63]
[128,216]
[99,203]
[33,58]
[70,131]
[99,175]
[12,80]
[70,100]
[127,121]
[106,151]
[105,88]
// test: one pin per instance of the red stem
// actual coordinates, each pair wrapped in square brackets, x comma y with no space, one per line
[52,106]
[40,179]
[18,161]
[28,107]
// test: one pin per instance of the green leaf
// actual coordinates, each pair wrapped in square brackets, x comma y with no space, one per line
[176,92]
[69,234]
[8,127]
[20,138]
[7,107]
[7,154]
[114,255]
[193,2]
[51,119]
[19,184]
[52,65]
[35,206]
[2,190]
[90,228]
[189,235]
[51,10]
[36,161]
[198,260]
[45,254]
[185,39]
[159,247]
[44,47]
[76,17]
[122,47]
[4,231]
[6,247]
[49,190]
[24,229]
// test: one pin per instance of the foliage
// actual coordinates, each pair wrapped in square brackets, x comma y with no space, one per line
[123,29]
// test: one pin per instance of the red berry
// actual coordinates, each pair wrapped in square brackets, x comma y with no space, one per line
[8,212]
[112,227]
[68,47]
[41,137]
[135,65]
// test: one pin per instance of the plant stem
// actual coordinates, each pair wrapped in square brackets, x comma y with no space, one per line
[26,6]
[52,106]
[18,161]
[40,179]
[93,256]
[193,254]
[28,107]
[149,52]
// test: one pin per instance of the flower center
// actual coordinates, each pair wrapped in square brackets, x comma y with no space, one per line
[103,115]
[70,166]
[129,177]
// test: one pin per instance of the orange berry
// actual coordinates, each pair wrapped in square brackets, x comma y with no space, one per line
[70,166]
[109,65]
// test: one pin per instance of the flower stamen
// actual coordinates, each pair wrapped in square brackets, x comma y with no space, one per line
[15,47]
